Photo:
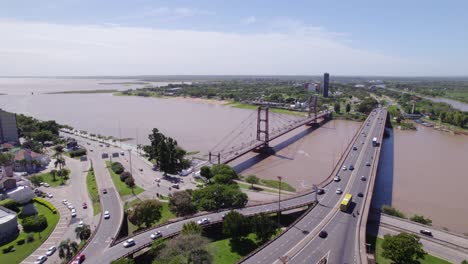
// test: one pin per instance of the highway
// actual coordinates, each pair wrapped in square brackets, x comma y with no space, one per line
[143,239]
[301,244]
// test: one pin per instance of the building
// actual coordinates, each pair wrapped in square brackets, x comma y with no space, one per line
[8,127]
[29,161]
[21,194]
[326,80]
[8,225]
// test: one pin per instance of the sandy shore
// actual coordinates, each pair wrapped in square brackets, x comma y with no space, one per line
[200,100]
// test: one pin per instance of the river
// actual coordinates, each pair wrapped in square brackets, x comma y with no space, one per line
[422,171]
[454,103]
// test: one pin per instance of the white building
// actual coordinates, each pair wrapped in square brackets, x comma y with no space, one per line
[21,194]
[8,225]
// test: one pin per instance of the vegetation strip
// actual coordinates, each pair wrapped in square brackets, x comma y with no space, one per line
[121,187]
[93,191]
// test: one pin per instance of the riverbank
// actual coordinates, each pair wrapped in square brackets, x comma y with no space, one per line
[85,91]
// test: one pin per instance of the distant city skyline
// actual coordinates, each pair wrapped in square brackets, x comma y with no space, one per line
[362,38]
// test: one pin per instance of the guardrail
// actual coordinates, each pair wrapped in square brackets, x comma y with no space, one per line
[367,202]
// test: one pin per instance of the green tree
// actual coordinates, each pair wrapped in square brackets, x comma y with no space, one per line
[236,225]
[348,108]
[421,219]
[216,196]
[36,180]
[123,261]
[67,249]
[264,227]
[252,179]
[181,203]
[178,249]
[43,136]
[199,256]
[403,248]
[147,212]
[222,179]
[337,107]
[54,174]
[223,169]
[6,159]
[205,172]
[392,211]
[191,228]
[83,232]
[63,173]
[464,262]
[130,182]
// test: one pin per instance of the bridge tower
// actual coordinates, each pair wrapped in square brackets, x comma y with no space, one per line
[263,133]
[313,109]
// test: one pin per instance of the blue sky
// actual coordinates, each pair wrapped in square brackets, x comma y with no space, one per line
[359,37]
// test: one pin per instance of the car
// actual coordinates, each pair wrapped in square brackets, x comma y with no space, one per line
[122,153]
[363,178]
[425,232]
[85,205]
[129,242]
[351,167]
[339,191]
[106,215]
[73,214]
[40,260]
[175,186]
[362,142]
[320,191]
[360,194]
[46,185]
[104,191]
[156,235]
[107,145]
[81,223]
[354,148]
[71,207]
[100,145]
[203,221]
[344,168]
[337,178]
[367,164]
[91,150]
[80,258]
[73,210]
[157,180]
[65,202]
[141,169]
[88,143]
[51,251]
[50,195]
[41,183]
[323,234]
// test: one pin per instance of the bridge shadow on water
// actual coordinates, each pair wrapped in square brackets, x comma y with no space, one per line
[262,156]
[383,189]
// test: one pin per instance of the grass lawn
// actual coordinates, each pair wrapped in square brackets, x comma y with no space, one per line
[47,177]
[248,185]
[275,184]
[222,252]
[23,251]
[122,188]
[93,191]
[429,259]
[166,215]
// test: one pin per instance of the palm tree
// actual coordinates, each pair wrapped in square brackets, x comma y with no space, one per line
[67,249]
[83,232]
[54,174]
[60,162]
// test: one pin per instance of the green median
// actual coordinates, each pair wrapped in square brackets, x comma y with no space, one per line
[93,191]
[121,187]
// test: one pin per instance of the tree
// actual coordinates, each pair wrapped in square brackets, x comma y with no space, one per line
[181,203]
[403,248]
[123,261]
[217,196]
[36,180]
[179,248]
[83,232]
[43,136]
[6,159]
[67,249]
[263,226]
[124,175]
[348,108]
[252,179]
[60,162]
[421,219]
[222,179]
[392,211]
[130,182]
[63,173]
[54,174]
[147,212]
[205,172]
[34,223]
[337,107]
[235,225]
[464,262]
[200,256]
[191,228]
[223,169]
[117,167]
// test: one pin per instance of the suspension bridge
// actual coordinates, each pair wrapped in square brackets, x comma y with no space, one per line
[260,128]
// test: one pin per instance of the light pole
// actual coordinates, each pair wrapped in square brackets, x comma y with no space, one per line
[130,157]
[279,199]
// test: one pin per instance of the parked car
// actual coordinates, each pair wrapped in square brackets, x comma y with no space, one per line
[40,260]
[81,223]
[156,235]
[175,186]
[50,195]
[129,242]
[122,153]
[203,221]
[106,215]
[51,251]
[46,185]
[80,258]
[73,214]
[85,205]
[65,202]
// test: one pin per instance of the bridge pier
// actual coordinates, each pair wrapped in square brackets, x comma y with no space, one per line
[265,149]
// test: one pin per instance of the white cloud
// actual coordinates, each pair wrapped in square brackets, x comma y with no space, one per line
[165,13]
[51,49]
[249,20]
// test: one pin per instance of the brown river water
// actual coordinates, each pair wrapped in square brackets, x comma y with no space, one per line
[422,171]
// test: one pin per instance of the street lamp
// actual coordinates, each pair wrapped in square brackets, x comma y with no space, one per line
[279,199]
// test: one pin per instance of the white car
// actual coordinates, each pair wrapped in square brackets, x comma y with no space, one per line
[71,207]
[363,178]
[339,191]
[130,242]
[51,251]
[65,202]
[50,195]
[46,185]
[81,223]
[40,260]
[203,221]
[73,214]
[156,235]
[106,215]
[337,178]
[344,167]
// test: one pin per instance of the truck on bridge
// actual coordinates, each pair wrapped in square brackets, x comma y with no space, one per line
[375,143]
